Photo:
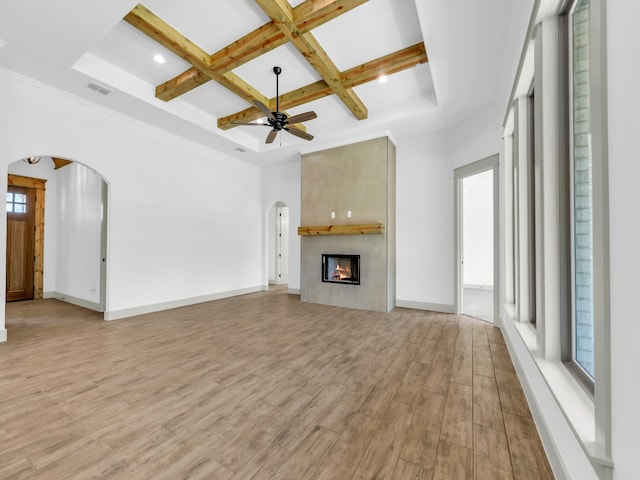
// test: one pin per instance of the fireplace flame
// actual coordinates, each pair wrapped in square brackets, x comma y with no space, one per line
[340,273]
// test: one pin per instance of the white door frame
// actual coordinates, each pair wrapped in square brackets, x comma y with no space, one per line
[103,246]
[282,245]
[486,164]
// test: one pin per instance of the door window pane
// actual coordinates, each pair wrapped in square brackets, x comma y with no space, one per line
[16,203]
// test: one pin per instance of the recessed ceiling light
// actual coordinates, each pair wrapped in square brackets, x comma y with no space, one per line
[382,78]
[158,58]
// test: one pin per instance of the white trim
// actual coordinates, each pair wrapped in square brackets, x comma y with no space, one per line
[521,158]
[601,279]
[104,244]
[3,335]
[293,291]
[522,72]
[549,190]
[570,455]
[433,307]
[157,307]
[73,300]
[477,286]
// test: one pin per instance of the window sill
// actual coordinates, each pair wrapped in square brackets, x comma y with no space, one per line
[576,404]
[573,401]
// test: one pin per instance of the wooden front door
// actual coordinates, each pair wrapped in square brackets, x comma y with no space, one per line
[20,242]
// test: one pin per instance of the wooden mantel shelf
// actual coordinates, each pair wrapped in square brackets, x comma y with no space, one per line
[359,229]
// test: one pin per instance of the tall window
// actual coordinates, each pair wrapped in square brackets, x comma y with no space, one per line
[582,197]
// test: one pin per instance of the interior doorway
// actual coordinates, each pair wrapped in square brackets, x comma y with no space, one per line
[476,190]
[25,233]
[278,245]
[69,257]
[21,239]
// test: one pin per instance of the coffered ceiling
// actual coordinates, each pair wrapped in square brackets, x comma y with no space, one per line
[219,58]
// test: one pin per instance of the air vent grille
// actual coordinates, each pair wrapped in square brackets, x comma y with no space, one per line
[98,88]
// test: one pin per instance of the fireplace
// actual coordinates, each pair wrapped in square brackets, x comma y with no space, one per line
[341,268]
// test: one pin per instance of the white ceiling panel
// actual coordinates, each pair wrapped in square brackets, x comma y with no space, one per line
[296,71]
[372,30]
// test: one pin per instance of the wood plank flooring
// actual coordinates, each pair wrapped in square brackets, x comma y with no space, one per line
[261,386]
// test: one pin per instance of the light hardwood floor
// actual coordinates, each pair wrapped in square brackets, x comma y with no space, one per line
[260,387]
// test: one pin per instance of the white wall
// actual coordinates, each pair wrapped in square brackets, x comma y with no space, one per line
[185,222]
[79,214]
[424,203]
[44,170]
[478,138]
[623,38]
[477,229]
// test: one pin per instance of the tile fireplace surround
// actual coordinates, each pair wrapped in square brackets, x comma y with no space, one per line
[358,179]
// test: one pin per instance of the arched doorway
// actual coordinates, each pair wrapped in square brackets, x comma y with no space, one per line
[71,230]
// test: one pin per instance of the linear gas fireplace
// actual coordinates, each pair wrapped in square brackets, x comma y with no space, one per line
[341,268]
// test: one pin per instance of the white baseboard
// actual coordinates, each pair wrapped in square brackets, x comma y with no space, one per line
[3,335]
[157,307]
[478,286]
[73,300]
[433,307]
[293,291]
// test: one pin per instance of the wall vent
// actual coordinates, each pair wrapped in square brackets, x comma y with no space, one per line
[98,88]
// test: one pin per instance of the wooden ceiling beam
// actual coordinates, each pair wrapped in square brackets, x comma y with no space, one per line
[288,24]
[367,72]
[157,29]
[252,45]
[313,13]
[60,162]
[387,65]
[282,15]
[308,15]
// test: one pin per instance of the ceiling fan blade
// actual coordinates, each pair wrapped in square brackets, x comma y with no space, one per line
[302,117]
[299,133]
[272,136]
[263,108]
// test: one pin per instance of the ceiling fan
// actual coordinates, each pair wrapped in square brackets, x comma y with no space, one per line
[278,120]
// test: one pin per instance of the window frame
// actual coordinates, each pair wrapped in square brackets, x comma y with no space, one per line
[574,365]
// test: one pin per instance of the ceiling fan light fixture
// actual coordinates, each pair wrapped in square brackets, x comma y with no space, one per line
[31,160]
